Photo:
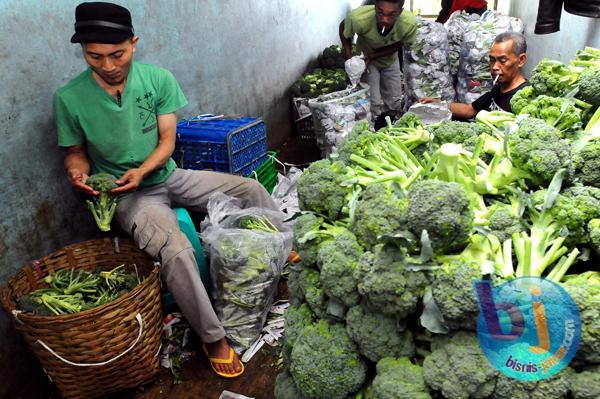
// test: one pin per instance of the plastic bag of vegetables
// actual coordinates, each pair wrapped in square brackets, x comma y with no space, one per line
[248,248]
[427,65]
[474,75]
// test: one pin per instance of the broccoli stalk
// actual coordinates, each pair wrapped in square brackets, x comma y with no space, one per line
[103,206]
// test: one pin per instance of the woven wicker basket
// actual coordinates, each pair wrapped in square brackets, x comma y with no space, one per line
[101,350]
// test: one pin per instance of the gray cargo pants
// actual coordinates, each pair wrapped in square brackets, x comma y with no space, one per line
[147,216]
[385,88]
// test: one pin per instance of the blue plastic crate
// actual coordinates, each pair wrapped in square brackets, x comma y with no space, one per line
[236,146]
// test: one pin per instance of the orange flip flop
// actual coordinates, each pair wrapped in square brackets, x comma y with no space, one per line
[216,360]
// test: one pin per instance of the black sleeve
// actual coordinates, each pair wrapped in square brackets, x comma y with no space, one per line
[483,102]
[548,17]
[445,12]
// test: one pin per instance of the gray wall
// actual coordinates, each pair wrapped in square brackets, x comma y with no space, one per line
[576,33]
[230,56]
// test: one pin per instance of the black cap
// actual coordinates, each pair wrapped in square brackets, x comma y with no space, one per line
[100,22]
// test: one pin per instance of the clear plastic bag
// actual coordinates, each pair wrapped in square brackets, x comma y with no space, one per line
[474,75]
[355,67]
[335,114]
[245,265]
[427,65]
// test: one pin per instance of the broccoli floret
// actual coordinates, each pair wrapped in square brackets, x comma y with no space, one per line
[537,148]
[103,206]
[557,112]
[506,219]
[398,379]
[585,291]
[586,385]
[522,98]
[325,362]
[443,209]
[453,292]
[285,387]
[589,86]
[553,78]
[320,189]
[594,234]
[309,282]
[573,208]
[295,293]
[381,211]
[585,165]
[466,134]
[296,319]
[354,142]
[555,387]
[378,335]
[386,284]
[307,223]
[458,368]
[338,260]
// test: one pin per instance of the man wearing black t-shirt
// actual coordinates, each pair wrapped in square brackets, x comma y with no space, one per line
[507,58]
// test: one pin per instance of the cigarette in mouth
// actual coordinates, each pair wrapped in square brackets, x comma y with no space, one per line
[496,79]
[382,30]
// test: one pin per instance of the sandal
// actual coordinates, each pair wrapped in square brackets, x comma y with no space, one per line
[216,360]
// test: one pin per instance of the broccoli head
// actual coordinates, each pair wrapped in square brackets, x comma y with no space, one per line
[325,362]
[378,335]
[557,112]
[585,291]
[309,282]
[398,379]
[458,368]
[555,387]
[453,292]
[296,318]
[443,210]
[285,387]
[386,283]
[594,234]
[320,189]
[103,206]
[522,98]
[585,162]
[381,211]
[307,223]
[553,78]
[355,141]
[589,85]
[338,260]
[586,385]
[573,208]
[506,219]
[464,133]
[537,148]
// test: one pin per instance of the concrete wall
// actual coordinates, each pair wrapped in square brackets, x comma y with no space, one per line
[576,33]
[232,57]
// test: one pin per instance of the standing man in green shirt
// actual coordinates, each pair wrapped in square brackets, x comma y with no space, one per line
[118,116]
[382,29]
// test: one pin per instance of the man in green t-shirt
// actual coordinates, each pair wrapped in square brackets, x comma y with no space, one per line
[118,116]
[382,29]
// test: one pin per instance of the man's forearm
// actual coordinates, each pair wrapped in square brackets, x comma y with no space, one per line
[167,125]
[76,159]
[463,111]
[346,43]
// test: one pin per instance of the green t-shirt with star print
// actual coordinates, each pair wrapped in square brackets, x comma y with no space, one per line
[118,137]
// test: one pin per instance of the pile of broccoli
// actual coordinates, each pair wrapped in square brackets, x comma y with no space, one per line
[320,81]
[397,226]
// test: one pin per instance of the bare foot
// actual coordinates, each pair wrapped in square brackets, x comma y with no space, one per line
[220,350]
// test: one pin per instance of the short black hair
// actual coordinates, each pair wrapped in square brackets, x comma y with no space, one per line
[401,2]
[519,44]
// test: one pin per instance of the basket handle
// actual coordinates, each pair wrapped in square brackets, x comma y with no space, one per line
[138,317]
